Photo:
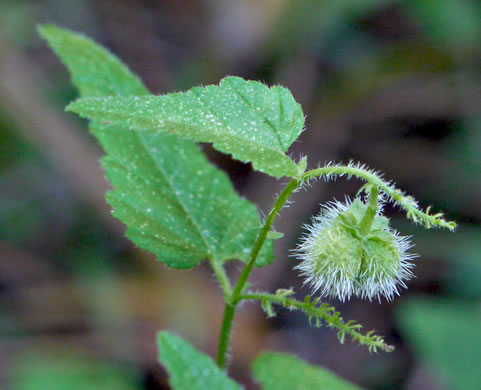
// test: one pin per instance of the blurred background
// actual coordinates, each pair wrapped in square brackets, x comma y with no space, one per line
[394,84]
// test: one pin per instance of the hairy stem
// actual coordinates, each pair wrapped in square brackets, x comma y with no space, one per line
[370,212]
[406,202]
[231,304]
[222,277]
[281,200]
[326,313]
[225,332]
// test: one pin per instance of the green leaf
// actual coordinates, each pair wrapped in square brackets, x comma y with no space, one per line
[174,202]
[447,336]
[247,119]
[188,368]
[94,70]
[276,371]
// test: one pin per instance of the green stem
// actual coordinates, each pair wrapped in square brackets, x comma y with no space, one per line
[231,304]
[281,200]
[370,213]
[225,331]
[221,277]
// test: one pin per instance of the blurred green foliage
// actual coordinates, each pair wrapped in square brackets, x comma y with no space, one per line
[61,371]
[447,336]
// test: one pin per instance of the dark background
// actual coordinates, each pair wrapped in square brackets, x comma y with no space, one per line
[394,84]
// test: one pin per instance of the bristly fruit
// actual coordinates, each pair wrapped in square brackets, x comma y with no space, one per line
[342,255]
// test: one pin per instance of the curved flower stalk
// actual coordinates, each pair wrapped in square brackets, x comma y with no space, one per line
[351,250]
[374,179]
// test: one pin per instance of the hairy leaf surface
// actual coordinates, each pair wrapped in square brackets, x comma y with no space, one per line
[276,371]
[188,368]
[174,202]
[247,119]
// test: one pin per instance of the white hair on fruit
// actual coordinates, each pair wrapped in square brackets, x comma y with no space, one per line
[339,259]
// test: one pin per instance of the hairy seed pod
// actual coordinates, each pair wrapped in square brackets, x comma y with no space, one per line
[341,257]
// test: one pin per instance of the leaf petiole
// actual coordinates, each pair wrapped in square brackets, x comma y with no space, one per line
[222,277]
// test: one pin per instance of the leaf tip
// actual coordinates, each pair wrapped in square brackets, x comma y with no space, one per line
[44,28]
[76,106]
[163,338]
[48,31]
